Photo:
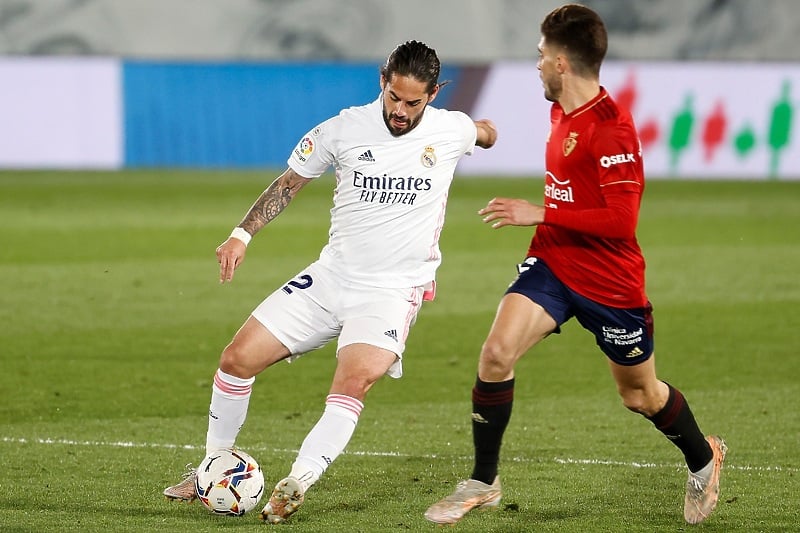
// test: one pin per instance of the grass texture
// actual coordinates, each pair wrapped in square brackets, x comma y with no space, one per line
[112,321]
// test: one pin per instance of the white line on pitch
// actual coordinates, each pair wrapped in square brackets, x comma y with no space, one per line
[559,460]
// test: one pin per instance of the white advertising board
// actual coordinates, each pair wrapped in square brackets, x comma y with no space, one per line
[60,113]
[695,120]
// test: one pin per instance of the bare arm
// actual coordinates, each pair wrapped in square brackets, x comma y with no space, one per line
[273,201]
[269,205]
[487,133]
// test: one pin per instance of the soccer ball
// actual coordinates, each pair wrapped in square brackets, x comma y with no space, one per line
[229,482]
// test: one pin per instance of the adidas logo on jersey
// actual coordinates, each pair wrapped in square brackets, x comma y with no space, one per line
[392,334]
[367,156]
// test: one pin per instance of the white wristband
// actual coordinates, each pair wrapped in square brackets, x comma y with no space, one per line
[241,234]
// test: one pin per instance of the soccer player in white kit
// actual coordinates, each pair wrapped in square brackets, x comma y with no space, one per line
[394,161]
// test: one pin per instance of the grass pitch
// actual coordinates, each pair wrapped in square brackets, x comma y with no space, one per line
[112,321]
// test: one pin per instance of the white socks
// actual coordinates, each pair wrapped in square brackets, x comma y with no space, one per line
[230,397]
[327,439]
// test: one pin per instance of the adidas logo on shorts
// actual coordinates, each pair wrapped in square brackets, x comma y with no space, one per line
[392,334]
[636,352]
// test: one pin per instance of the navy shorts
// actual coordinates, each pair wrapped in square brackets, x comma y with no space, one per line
[624,335]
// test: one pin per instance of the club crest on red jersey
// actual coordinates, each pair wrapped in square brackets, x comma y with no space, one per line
[570,143]
[428,158]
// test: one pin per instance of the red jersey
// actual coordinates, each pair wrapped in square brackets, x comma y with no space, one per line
[592,193]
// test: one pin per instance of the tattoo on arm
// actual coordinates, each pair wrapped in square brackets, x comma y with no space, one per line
[271,203]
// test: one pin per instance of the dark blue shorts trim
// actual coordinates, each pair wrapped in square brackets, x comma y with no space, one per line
[624,335]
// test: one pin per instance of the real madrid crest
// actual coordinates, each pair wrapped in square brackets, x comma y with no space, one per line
[428,158]
[570,143]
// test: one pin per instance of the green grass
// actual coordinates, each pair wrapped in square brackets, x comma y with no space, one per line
[112,320]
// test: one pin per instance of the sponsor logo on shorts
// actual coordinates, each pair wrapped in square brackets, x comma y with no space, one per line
[622,337]
[392,334]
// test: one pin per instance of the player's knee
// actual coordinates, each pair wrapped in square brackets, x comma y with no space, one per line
[233,361]
[355,386]
[497,360]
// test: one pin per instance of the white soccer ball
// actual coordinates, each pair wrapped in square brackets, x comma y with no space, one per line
[229,482]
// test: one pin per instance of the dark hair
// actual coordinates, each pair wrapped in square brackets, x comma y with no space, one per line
[416,60]
[582,34]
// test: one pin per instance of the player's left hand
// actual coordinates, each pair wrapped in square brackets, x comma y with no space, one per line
[512,212]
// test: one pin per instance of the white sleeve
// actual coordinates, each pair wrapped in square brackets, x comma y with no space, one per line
[470,131]
[312,155]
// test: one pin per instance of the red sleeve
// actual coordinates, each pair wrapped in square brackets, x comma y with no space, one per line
[617,220]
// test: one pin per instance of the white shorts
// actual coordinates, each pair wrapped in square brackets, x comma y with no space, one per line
[317,306]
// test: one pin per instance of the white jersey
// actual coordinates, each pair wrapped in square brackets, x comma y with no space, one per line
[391,192]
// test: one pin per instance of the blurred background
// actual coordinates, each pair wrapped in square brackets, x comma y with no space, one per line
[112,84]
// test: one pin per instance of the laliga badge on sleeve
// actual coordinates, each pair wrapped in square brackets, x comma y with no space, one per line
[303,150]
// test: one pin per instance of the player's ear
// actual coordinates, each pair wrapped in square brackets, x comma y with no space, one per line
[562,62]
[383,82]
[434,92]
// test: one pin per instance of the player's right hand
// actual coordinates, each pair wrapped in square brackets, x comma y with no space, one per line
[512,212]
[230,255]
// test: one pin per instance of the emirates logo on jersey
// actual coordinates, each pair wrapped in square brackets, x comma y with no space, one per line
[428,158]
[570,143]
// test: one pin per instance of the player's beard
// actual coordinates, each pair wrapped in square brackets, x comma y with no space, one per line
[552,88]
[409,124]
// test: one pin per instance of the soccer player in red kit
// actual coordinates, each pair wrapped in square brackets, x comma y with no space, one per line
[584,262]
